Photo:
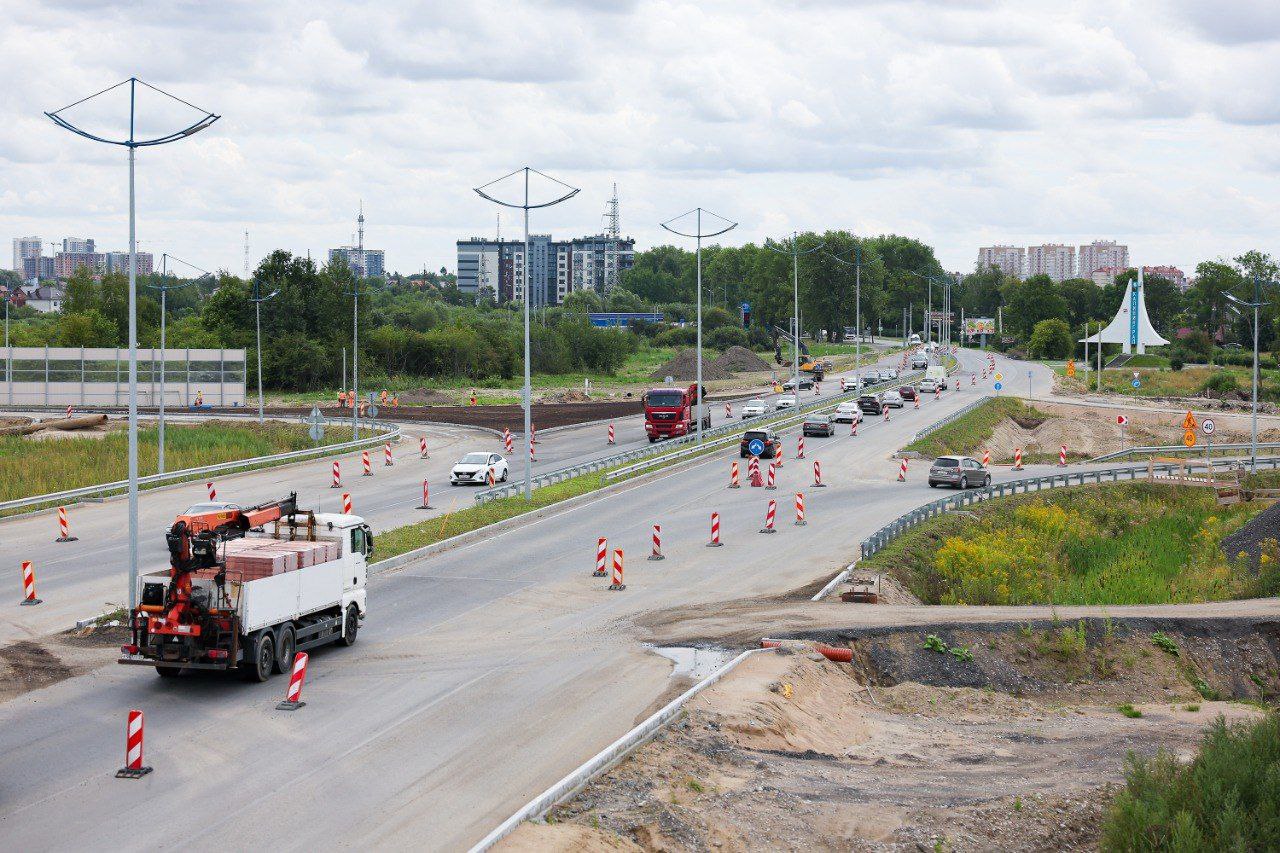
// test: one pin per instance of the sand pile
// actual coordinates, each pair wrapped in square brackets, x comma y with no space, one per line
[741,360]
[573,396]
[684,367]
[426,396]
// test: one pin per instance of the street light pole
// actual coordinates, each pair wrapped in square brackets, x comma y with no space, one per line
[164,289]
[257,301]
[795,254]
[857,272]
[698,235]
[133,144]
[1257,303]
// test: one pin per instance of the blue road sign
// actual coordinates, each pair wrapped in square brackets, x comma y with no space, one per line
[756,447]
[1137,383]
[998,386]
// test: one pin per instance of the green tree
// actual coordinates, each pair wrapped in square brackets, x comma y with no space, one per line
[81,293]
[1028,302]
[86,329]
[662,274]
[1050,339]
[1082,297]
[1207,300]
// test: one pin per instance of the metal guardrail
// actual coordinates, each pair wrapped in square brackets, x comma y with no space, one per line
[389,432]
[688,442]
[1199,449]
[882,537]
[959,413]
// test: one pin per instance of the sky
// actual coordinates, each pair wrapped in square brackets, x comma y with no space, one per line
[962,123]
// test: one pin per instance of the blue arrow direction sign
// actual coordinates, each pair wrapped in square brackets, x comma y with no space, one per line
[756,447]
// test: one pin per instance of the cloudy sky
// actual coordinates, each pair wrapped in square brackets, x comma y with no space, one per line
[961,122]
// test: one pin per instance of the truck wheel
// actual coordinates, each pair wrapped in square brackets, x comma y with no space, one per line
[262,657]
[287,645]
[351,626]
[168,671]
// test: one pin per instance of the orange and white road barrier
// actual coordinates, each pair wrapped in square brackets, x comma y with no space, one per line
[133,766]
[64,530]
[937,391]
[1062,456]
[886,414]
[777,459]
[800,447]
[656,554]
[728,412]
[611,433]
[753,472]
[426,496]
[508,442]
[773,477]
[817,475]
[28,584]
[293,693]
[800,522]
[853,428]
[1017,459]
[733,475]
[973,379]
[68,411]
[617,571]
[386,453]
[902,470]
[364,462]
[769,516]
[422,448]
[346,503]
[715,531]
[986,458]
[213,493]
[533,457]
[533,433]
[489,478]
[337,476]
[602,552]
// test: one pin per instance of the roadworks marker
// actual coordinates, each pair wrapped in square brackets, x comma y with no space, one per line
[364,461]
[293,693]
[1017,459]
[64,530]
[346,504]
[656,554]
[133,767]
[773,482]
[817,475]
[602,553]
[29,585]
[902,470]
[617,571]
[769,516]
[388,461]
[337,476]
[800,522]
[715,531]
[213,493]
[426,496]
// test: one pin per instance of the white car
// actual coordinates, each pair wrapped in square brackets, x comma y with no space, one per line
[927,386]
[891,400]
[754,409]
[475,468]
[786,401]
[848,413]
[849,383]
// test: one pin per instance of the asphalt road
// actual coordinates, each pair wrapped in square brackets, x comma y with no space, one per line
[481,676]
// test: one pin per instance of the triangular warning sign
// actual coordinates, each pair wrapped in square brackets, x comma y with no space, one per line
[1189,422]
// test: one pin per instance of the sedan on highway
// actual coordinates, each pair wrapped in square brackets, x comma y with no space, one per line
[763,443]
[908,392]
[870,404]
[959,471]
[754,409]
[891,400]
[819,425]
[849,383]
[806,384]
[847,413]
[928,386]
[475,467]
[786,401]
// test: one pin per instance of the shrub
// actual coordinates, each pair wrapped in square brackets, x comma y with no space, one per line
[1050,339]
[677,336]
[725,337]
[1221,382]
[1175,362]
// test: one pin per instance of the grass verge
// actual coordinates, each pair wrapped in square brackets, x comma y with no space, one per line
[967,434]
[1128,543]
[1228,798]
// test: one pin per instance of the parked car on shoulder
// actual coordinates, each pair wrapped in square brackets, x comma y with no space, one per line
[819,425]
[847,413]
[763,443]
[963,472]
[755,408]
[870,404]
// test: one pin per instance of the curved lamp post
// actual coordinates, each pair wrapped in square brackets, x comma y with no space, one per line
[795,254]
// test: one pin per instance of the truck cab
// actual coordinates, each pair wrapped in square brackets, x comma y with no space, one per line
[670,412]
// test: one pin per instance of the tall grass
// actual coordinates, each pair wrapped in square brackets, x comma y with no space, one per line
[1228,798]
[36,467]
[968,433]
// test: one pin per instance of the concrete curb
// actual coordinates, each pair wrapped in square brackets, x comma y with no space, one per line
[835,581]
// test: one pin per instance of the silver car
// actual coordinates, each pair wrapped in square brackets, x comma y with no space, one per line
[959,471]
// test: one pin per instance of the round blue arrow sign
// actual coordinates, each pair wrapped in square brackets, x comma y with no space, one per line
[756,446]
[998,386]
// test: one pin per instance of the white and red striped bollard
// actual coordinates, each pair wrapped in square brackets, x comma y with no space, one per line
[1017,459]
[422,448]
[853,428]
[728,412]
[68,411]
[986,458]
[29,584]
[769,516]
[611,433]
[64,529]
[532,456]
[533,433]
[902,471]
[337,476]
[509,443]
[937,391]
[426,496]
[293,693]
[973,377]
[772,482]
[602,552]
[817,475]
[800,522]
[778,457]
[133,766]
[715,531]
[917,400]
[656,554]
[346,503]
[886,414]
[213,493]
[1062,456]
[387,460]
[489,478]
[364,462]
[733,475]
[800,447]
[617,571]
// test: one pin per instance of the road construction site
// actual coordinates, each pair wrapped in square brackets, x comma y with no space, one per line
[484,672]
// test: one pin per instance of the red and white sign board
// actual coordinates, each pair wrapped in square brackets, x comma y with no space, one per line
[1123,420]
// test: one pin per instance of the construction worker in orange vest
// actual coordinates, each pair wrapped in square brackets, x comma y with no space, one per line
[395,400]
[382,398]
[342,399]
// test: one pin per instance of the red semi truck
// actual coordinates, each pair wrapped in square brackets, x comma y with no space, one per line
[670,412]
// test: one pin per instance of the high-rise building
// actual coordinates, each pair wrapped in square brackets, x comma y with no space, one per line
[558,267]
[24,248]
[1175,275]
[66,263]
[365,263]
[119,262]
[1106,275]
[1101,254]
[1010,260]
[37,269]
[1052,259]
[78,245]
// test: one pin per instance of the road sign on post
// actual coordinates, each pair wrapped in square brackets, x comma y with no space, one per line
[1206,426]
[315,423]
[1189,422]
[1189,438]
[1071,367]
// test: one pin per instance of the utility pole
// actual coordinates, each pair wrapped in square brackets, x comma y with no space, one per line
[795,254]
[164,289]
[857,272]
[257,301]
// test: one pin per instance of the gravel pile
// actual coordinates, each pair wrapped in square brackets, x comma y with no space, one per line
[684,367]
[741,360]
[1265,525]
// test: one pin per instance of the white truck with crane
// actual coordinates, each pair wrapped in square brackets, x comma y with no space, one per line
[246,588]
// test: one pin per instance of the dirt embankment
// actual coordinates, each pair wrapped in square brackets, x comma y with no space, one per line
[1015,742]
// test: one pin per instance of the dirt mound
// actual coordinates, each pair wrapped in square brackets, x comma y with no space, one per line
[684,368]
[574,396]
[740,360]
[427,396]
[1248,539]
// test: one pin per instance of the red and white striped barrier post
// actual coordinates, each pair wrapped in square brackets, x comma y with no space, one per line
[533,457]
[133,767]
[986,458]
[733,475]
[533,433]
[68,411]
[426,496]
[937,391]
[1017,459]
[777,459]
[800,447]
[715,531]
[886,413]
[753,472]
[213,493]
[617,571]
[853,428]
[386,452]
[364,462]
[1062,456]
[509,442]
[973,379]
[800,522]
[422,448]
[64,530]
[489,478]
[656,554]
[602,552]
[293,693]
[728,412]
[772,482]
[337,476]
[902,470]
[769,516]
[611,433]
[28,585]
[817,475]
[346,503]
[917,400]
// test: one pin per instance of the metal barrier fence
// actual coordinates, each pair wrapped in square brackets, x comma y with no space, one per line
[882,537]
[1171,449]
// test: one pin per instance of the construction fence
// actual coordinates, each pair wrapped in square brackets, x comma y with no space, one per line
[99,376]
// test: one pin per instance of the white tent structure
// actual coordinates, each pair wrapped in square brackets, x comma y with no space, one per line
[1131,326]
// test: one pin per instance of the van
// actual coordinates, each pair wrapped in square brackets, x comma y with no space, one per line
[938,374]
[913,341]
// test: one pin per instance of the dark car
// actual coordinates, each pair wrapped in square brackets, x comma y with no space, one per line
[759,442]
[870,404]
[959,471]
[819,425]
[806,384]
[908,392]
